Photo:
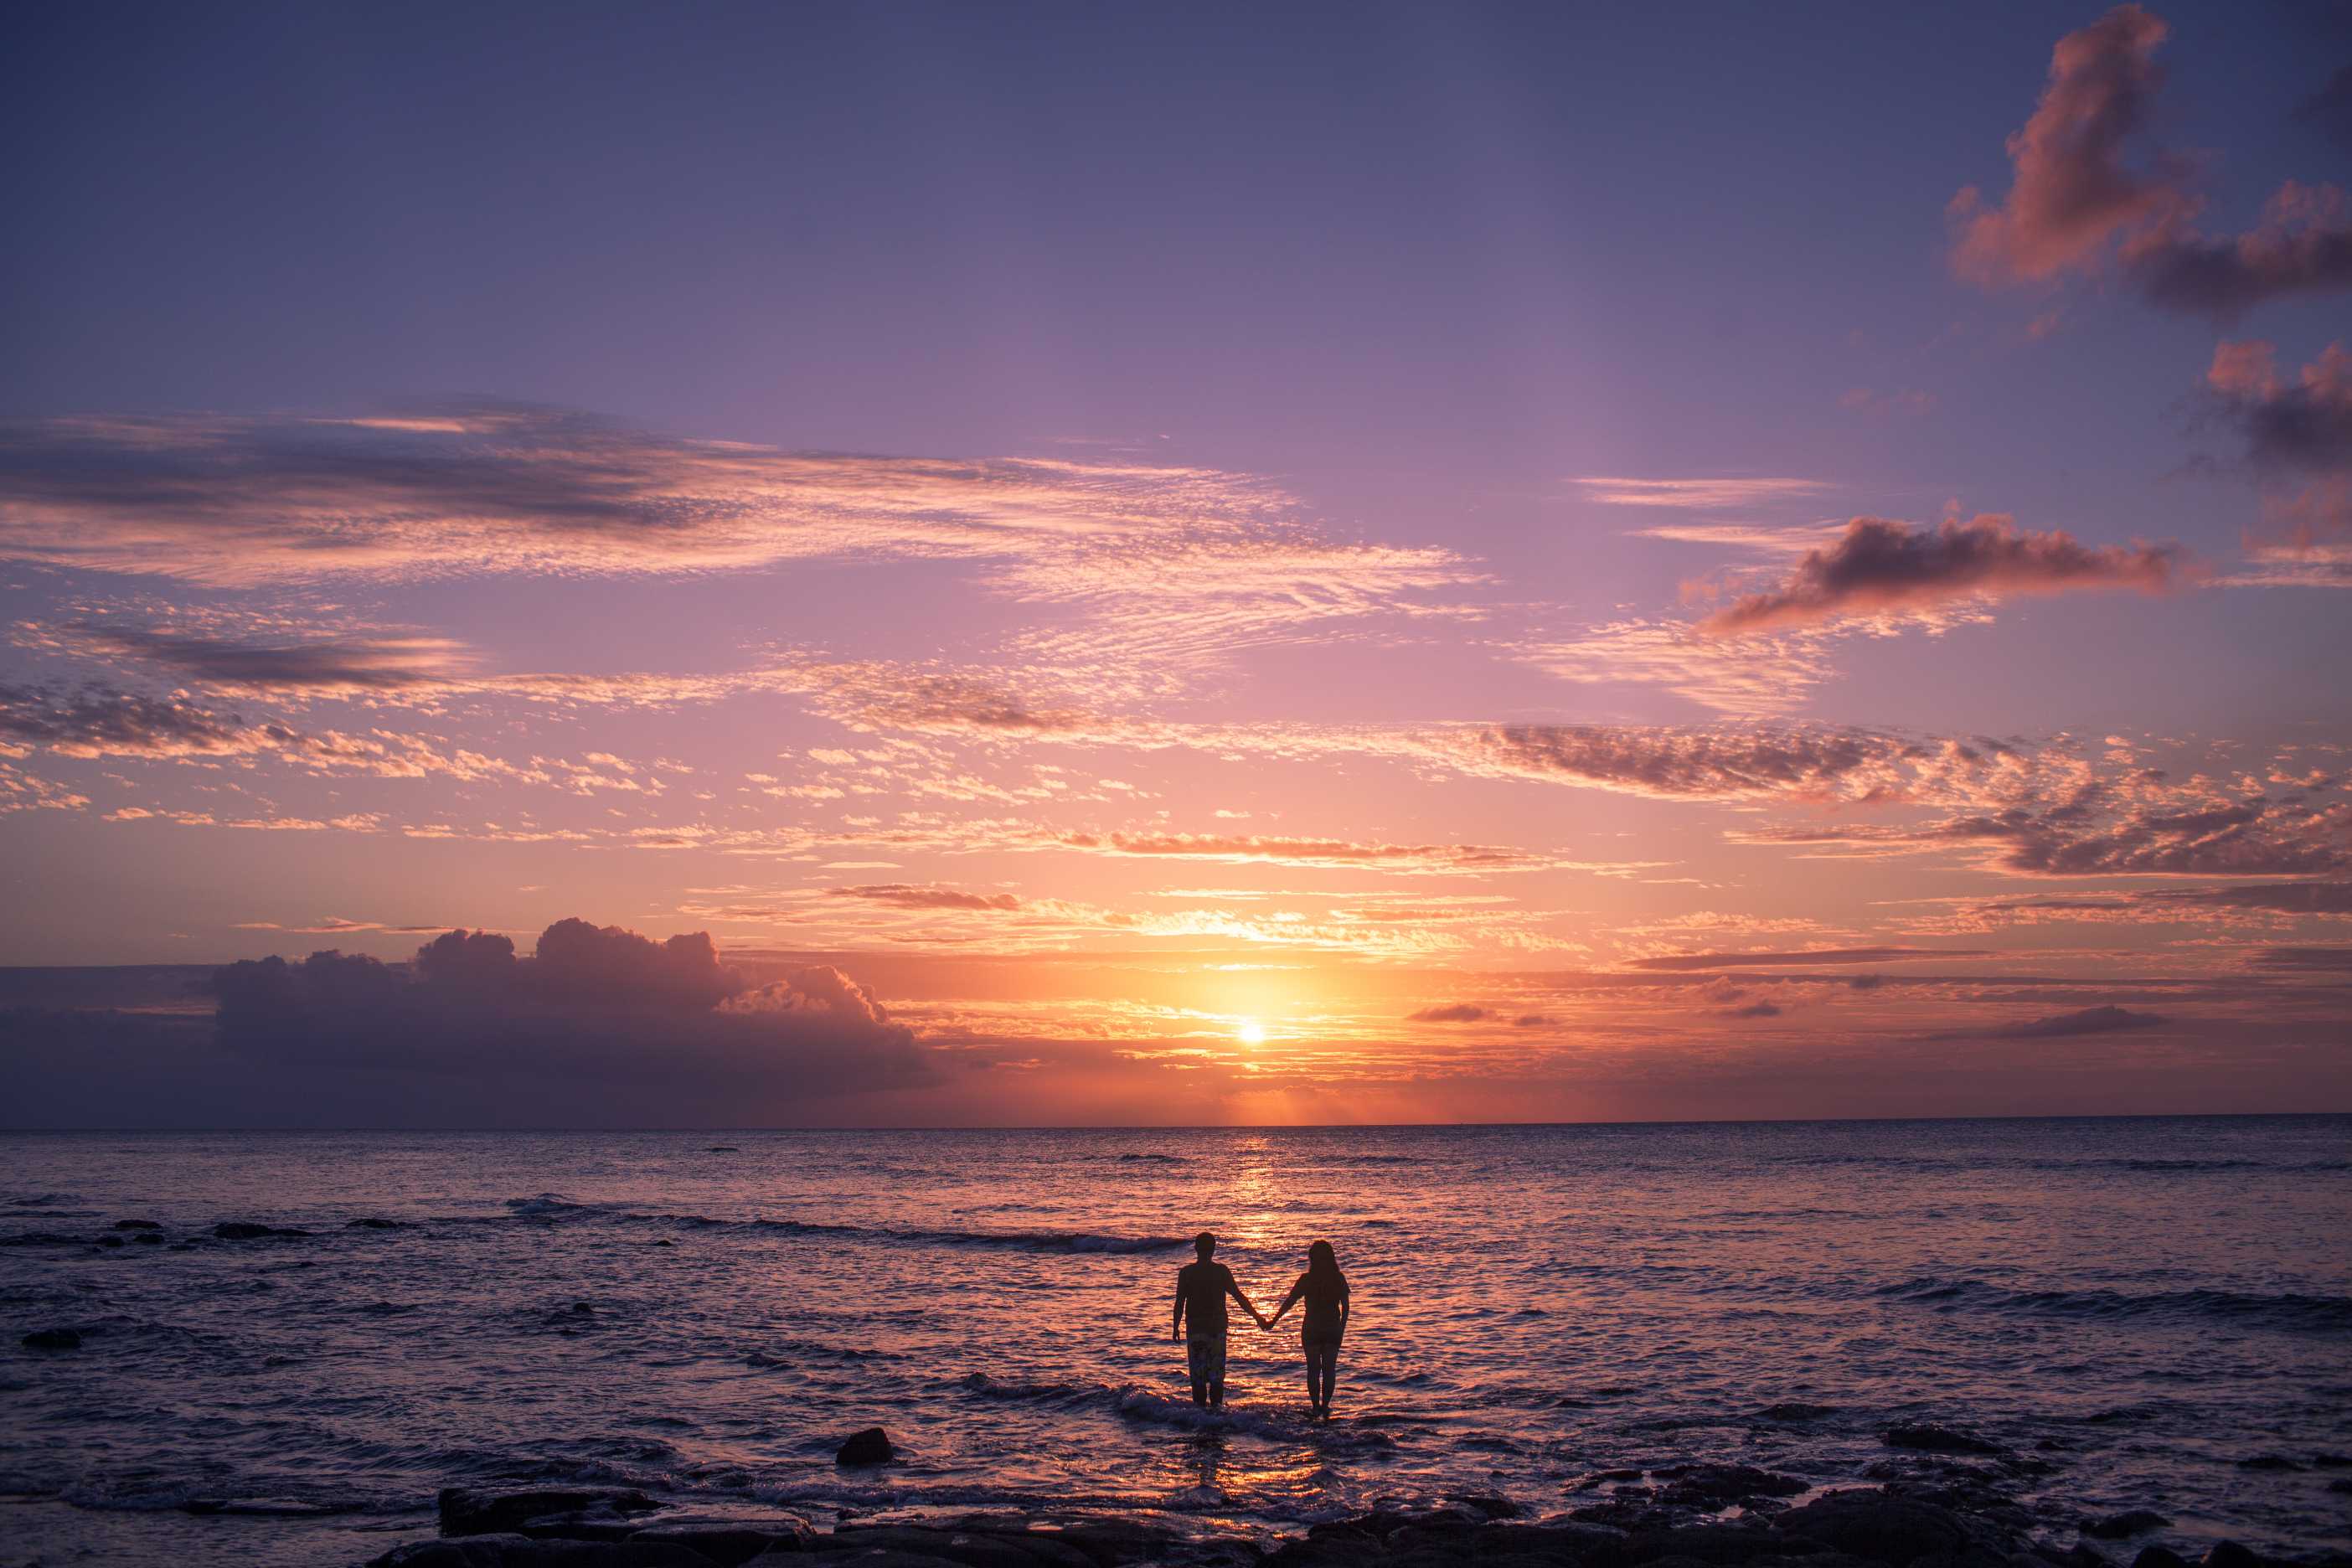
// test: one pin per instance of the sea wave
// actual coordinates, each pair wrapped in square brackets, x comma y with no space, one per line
[2314,1314]
[1053,1241]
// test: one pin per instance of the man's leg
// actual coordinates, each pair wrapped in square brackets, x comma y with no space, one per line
[1215,1358]
[1196,1359]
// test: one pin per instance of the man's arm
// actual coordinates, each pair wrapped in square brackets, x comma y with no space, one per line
[1234,1289]
[1176,1325]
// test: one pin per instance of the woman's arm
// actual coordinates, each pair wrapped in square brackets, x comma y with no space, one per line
[1296,1290]
[1344,1299]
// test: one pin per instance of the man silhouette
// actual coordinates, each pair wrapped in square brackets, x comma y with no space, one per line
[1202,1287]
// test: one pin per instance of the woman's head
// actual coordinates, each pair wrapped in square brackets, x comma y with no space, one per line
[1321,1260]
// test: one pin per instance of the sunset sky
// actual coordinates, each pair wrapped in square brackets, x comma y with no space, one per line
[1214,563]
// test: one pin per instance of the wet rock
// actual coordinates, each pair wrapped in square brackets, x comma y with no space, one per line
[966,1548]
[468,1512]
[52,1340]
[1796,1410]
[1884,1527]
[1929,1440]
[2229,1554]
[730,1544]
[1714,1487]
[506,1550]
[2332,1461]
[722,1149]
[242,1230]
[665,1242]
[2159,1557]
[371,1222]
[2117,1526]
[137,1224]
[871,1446]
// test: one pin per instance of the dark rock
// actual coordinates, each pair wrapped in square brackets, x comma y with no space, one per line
[521,1552]
[466,1511]
[723,1149]
[665,1242]
[1486,1504]
[370,1222]
[2332,1461]
[2229,1554]
[1720,1486]
[137,1224]
[2117,1526]
[969,1548]
[871,1446]
[241,1230]
[1796,1410]
[602,1522]
[2159,1557]
[731,1544]
[1929,1440]
[1875,1524]
[52,1340]
[1717,1543]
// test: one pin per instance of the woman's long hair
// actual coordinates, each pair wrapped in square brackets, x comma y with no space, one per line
[1323,1276]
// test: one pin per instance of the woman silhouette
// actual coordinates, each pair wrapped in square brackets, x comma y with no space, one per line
[1324,1289]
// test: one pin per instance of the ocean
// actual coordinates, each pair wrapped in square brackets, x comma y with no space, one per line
[2148,1312]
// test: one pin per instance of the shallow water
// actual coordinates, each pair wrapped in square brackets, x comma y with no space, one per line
[2147,1304]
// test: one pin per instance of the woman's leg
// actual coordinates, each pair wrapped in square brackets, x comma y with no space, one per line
[1330,1370]
[1313,1398]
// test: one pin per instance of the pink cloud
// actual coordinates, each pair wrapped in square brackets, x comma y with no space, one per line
[2073,199]
[1880,565]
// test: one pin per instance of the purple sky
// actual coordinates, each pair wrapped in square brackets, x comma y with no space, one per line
[1208,563]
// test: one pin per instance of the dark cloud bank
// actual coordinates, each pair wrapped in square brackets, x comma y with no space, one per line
[599,1028]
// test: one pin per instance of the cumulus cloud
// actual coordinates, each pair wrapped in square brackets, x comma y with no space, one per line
[2303,244]
[599,1004]
[1450,1013]
[1881,565]
[2076,197]
[2071,190]
[2298,441]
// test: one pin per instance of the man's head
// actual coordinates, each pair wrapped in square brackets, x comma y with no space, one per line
[1204,1243]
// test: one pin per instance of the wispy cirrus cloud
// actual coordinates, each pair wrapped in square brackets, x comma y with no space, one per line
[238,503]
[2075,200]
[1881,565]
[1717,493]
[1802,957]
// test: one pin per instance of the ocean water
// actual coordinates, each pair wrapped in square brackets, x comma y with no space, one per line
[2158,1308]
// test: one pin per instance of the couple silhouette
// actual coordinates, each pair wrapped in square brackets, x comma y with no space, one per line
[1202,1287]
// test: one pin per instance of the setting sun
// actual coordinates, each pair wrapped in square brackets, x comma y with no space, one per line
[1251,1032]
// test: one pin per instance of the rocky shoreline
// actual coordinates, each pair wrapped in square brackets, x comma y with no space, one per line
[1696,1516]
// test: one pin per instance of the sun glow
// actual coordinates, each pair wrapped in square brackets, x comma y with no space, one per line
[1251,1032]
